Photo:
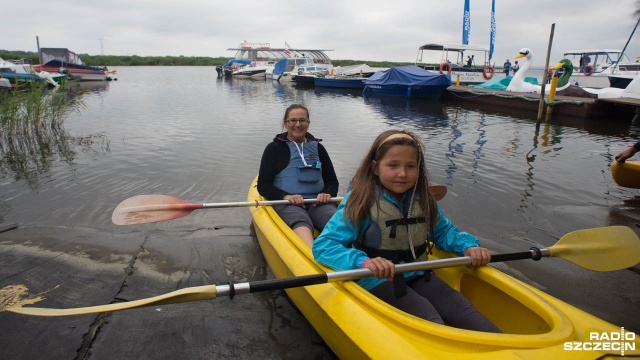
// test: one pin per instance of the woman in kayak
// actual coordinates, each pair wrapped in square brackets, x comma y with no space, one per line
[294,167]
[389,216]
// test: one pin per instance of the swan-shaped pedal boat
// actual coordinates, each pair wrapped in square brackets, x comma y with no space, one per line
[517,83]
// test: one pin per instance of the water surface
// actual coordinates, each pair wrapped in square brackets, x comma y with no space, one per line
[181,131]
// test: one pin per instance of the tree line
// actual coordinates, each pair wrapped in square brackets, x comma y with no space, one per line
[135,60]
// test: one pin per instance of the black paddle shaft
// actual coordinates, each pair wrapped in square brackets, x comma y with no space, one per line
[299,281]
[534,253]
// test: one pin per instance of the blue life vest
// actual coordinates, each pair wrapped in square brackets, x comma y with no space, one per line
[303,174]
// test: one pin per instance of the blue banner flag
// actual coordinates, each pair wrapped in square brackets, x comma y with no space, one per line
[466,23]
[493,29]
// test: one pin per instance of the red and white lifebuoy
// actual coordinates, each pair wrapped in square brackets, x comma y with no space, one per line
[445,67]
[588,70]
[488,72]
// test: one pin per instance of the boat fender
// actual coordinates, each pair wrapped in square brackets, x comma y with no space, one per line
[488,72]
[445,66]
[588,70]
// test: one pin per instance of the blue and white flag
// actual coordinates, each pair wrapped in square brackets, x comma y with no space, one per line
[493,29]
[466,23]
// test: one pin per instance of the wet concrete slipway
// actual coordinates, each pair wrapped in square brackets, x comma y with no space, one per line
[73,266]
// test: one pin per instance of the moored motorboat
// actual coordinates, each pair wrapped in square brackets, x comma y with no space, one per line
[252,71]
[357,325]
[450,59]
[340,82]
[21,72]
[596,65]
[626,174]
[67,62]
[304,67]
[407,81]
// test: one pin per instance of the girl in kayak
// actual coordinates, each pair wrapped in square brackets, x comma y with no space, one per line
[389,216]
[294,167]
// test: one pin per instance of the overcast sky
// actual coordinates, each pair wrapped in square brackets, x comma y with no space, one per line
[353,29]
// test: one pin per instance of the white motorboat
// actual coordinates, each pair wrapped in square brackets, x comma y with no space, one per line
[286,69]
[253,70]
[21,71]
[621,81]
[596,65]
[469,62]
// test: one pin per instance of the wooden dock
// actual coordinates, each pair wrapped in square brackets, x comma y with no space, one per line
[527,104]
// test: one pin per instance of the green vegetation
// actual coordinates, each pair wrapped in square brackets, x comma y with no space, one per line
[134,60]
[31,132]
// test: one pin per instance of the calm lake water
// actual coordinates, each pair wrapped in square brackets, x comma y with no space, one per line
[181,131]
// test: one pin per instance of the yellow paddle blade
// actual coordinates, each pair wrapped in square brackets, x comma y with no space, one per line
[196,293]
[607,248]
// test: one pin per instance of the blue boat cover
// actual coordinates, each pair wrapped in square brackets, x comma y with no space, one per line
[408,76]
[231,62]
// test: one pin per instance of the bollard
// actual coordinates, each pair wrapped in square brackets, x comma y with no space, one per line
[457,80]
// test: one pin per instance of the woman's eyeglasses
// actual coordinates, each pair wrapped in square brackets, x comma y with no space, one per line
[301,121]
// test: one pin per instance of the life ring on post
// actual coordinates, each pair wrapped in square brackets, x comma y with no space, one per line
[588,70]
[445,67]
[488,72]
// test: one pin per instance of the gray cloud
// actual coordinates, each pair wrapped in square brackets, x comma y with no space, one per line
[356,29]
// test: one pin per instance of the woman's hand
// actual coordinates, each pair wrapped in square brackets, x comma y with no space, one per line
[322,199]
[294,199]
[629,152]
[479,256]
[381,267]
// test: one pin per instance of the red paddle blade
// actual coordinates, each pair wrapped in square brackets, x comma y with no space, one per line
[144,209]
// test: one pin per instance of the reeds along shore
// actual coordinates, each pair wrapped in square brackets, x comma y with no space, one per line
[31,131]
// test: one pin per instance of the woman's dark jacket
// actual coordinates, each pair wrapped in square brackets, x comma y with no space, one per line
[276,157]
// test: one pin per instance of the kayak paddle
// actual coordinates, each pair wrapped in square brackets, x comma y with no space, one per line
[599,249]
[144,209]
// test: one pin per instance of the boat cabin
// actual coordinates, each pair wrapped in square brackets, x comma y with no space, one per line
[457,55]
[468,63]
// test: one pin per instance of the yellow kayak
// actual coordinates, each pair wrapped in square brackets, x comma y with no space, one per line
[357,325]
[627,174]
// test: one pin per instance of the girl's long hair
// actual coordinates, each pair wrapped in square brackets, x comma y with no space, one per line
[365,181]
